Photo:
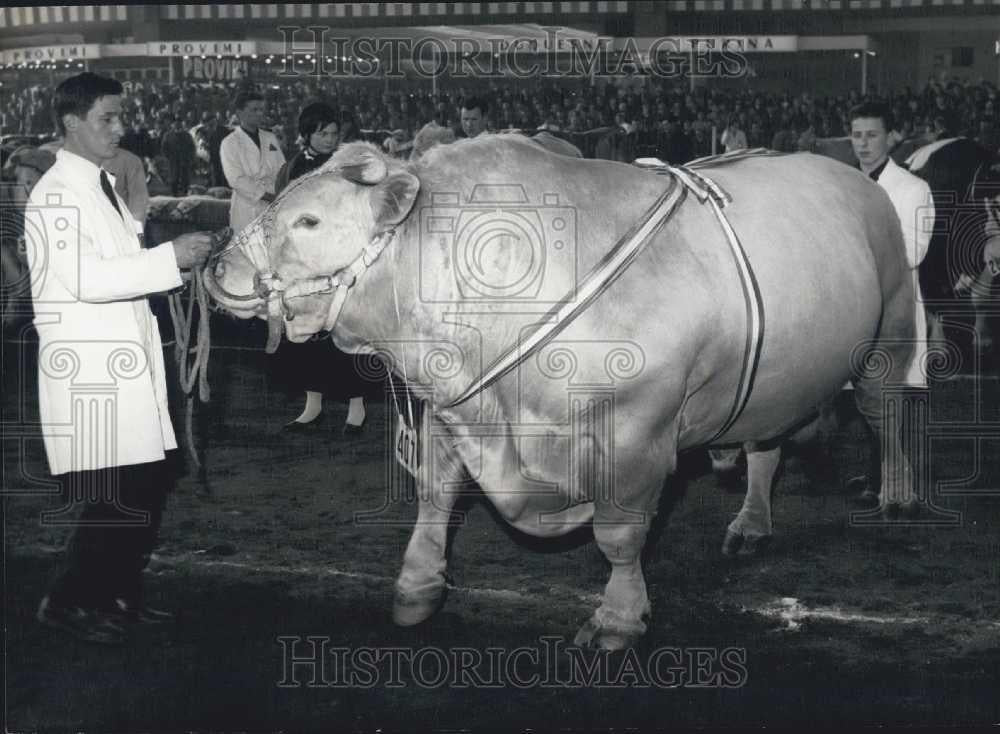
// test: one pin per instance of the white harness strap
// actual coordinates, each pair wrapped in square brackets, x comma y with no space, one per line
[718,198]
[621,256]
[594,283]
[369,254]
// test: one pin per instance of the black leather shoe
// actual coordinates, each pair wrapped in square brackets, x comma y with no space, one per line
[355,429]
[297,426]
[142,614]
[88,625]
[866,500]
[862,494]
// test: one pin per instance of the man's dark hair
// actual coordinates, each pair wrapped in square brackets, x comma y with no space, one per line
[471,103]
[874,109]
[76,95]
[245,98]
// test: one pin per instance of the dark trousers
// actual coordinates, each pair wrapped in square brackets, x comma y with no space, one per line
[115,532]
[317,365]
[180,178]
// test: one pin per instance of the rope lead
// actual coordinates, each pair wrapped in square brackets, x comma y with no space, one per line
[194,371]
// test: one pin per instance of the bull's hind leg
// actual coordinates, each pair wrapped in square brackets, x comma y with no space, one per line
[886,364]
[980,297]
[726,466]
[620,528]
[751,530]
[421,585]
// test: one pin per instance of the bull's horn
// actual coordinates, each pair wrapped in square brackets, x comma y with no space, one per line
[367,167]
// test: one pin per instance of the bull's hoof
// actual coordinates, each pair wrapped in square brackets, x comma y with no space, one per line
[413,606]
[607,630]
[745,544]
[597,637]
[866,500]
[908,510]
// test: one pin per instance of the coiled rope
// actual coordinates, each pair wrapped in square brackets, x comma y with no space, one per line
[196,370]
[192,361]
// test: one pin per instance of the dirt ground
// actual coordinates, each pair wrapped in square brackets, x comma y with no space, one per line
[298,535]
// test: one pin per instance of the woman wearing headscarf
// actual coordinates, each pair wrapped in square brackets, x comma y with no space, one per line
[317,365]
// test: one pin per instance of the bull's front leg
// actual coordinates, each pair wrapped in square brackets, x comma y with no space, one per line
[421,585]
[751,529]
[621,523]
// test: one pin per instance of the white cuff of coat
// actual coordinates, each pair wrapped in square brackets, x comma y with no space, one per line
[168,247]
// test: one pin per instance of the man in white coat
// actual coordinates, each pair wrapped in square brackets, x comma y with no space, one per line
[911,198]
[101,380]
[871,124]
[251,158]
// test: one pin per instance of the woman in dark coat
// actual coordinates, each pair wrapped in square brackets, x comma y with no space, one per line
[317,365]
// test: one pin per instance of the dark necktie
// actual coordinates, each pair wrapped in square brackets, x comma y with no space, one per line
[110,192]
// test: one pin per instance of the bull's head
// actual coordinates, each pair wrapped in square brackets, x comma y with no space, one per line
[294,264]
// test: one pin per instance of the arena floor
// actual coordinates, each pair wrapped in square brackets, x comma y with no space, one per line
[838,622]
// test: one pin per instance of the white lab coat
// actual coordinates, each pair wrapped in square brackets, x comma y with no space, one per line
[251,172]
[911,197]
[101,383]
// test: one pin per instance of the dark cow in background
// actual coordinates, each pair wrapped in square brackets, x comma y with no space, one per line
[964,178]
[840,149]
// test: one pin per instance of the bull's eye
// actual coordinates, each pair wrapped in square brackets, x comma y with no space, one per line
[306,221]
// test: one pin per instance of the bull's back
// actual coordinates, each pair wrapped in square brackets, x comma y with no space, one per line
[818,237]
[823,244]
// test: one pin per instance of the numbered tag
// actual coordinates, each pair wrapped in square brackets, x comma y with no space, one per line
[408,446]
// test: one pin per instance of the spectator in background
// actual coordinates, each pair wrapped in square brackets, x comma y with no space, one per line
[786,139]
[679,145]
[137,140]
[129,180]
[213,134]
[251,159]
[473,117]
[24,168]
[987,135]
[733,138]
[701,143]
[317,366]
[179,150]
[398,144]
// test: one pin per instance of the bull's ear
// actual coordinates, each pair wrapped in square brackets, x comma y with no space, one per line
[393,199]
[366,166]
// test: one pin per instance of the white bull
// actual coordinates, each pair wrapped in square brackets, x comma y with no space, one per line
[690,344]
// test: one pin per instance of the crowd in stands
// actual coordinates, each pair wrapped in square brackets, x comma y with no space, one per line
[178,128]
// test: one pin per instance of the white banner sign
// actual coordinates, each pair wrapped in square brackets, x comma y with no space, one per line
[50,53]
[201,48]
[214,70]
[687,44]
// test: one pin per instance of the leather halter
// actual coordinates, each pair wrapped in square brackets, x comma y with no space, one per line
[255,243]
